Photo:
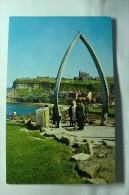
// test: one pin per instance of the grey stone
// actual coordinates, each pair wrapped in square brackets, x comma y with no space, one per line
[110,155]
[80,157]
[25,121]
[50,133]
[79,139]
[95,146]
[75,145]
[104,143]
[84,140]
[33,123]
[97,181]
[42,129]
[100,155]
[58,137]
[91,141]
[88,168]
[65,140]
[68,140]
[83,148]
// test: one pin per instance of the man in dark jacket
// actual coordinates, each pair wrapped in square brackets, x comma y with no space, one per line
[86,112]
[80,114]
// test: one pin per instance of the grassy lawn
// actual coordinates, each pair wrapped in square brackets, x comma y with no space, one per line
[33,159]
[99,110]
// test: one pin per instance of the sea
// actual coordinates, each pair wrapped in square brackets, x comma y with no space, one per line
[21,109]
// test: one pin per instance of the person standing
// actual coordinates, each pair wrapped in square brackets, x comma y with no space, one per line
[86,112]
[72,114]
[80,114]
[54,115]
[14,114]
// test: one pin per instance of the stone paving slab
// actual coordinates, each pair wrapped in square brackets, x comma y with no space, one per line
[95,133]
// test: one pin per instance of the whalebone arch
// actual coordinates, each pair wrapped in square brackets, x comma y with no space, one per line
[104,84]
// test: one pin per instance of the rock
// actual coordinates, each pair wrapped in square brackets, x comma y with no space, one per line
[95,146]
[58,137]
[25,121]
[68,140]
[61,135]
[110,154]
[50,133]
[65,140]
[30,125]
[33,123]
[33,127]
[104,143]
[88,168]
[91,141]
[97,181]
[52,125]
[80,140]
[100,155]
[84,140]
[42,133]
[110,147]
[42,129]
[83,148]
[80,157]
[38,127]
[75,145]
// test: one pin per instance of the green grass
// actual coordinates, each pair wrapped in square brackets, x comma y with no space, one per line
[52,80]
[37,161]
[99,110]
[68,84]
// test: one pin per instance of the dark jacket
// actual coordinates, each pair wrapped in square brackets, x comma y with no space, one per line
[80,111]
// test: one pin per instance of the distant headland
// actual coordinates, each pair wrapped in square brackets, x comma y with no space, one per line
[41,89]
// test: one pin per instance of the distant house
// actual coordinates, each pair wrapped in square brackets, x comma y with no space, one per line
[72,95]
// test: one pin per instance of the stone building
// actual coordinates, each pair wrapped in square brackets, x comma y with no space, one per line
[83,76]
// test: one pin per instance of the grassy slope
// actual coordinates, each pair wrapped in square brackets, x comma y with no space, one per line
[34,161]
[50,80]
[99,111]
[89,85]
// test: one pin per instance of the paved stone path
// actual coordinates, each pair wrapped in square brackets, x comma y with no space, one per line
[95,133]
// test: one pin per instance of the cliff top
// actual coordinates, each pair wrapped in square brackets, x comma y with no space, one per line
[53,80]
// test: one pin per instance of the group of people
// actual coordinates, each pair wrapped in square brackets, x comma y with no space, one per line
[78,112]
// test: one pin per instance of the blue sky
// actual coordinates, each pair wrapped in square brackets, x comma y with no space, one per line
[37,45]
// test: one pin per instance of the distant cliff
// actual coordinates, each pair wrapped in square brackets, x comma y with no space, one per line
[41,89]
[33,83]
[48,84]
